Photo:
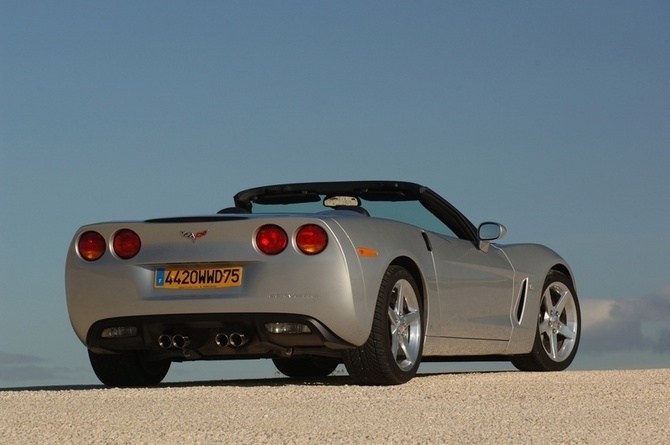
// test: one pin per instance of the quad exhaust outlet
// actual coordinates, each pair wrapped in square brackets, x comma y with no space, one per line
[223,340]
[179,341]
[234,340]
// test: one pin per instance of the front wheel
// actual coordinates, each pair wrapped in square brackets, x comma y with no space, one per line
[558,328]
[128,369]
[392,353]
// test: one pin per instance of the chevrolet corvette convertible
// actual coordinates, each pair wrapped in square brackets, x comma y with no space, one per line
[378,275]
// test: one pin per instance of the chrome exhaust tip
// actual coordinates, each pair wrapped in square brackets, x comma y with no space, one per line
[237,340]
[222,340]
[165,341]
[180,341]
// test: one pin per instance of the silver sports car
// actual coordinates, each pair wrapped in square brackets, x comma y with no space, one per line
[378,275]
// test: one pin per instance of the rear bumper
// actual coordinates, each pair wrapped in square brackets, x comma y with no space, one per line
[201,335]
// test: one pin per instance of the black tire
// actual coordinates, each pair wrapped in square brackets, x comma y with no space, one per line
[391,357]
[306,366]
[128,369]
[558,327]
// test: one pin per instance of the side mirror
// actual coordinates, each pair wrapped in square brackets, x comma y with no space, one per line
[488,232]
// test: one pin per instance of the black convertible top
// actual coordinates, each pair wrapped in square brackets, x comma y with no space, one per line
[312,191]
[367,190]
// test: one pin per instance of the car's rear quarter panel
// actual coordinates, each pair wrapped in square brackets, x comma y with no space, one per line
[398,243]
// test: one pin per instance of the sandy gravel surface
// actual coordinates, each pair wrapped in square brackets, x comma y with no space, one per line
[595,407]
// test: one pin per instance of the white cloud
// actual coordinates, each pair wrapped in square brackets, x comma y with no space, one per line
[634,323]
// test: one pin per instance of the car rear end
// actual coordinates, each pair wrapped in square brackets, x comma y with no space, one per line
[217,287]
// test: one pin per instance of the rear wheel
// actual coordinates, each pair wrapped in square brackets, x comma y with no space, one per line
[558,328]
[306,366]
[392,353]
[128,369]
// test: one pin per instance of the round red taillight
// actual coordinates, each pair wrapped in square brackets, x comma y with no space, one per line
[126,244]
[271,239]
[311,239]
[91,246]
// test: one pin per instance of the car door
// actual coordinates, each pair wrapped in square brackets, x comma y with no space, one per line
[474,289]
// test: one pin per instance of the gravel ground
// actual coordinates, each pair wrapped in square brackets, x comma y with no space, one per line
[594,407]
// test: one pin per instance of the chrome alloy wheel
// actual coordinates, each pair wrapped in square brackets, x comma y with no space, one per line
[404,325]
[392,353]
[559,321]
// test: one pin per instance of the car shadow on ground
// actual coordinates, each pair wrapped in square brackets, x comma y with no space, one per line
[332,380]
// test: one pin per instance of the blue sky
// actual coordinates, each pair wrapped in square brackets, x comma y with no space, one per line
[550,117]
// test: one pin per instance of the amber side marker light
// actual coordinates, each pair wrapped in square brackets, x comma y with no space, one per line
[365,252]
[126,244]
[91,246]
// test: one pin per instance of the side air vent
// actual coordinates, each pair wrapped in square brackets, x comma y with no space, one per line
[521,304]
[429,246]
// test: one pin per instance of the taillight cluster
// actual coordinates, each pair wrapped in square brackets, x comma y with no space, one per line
[310,239]
[125,244]
[270,239]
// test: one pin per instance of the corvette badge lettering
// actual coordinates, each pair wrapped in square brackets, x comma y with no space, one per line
[193,235]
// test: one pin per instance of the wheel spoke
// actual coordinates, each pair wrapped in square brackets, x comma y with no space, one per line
[549,305]
[544,327]
[553,344]
[412,317]
[402,342]
[565,331]
[394,318]
[400,297]
[394,344]
[562,301]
